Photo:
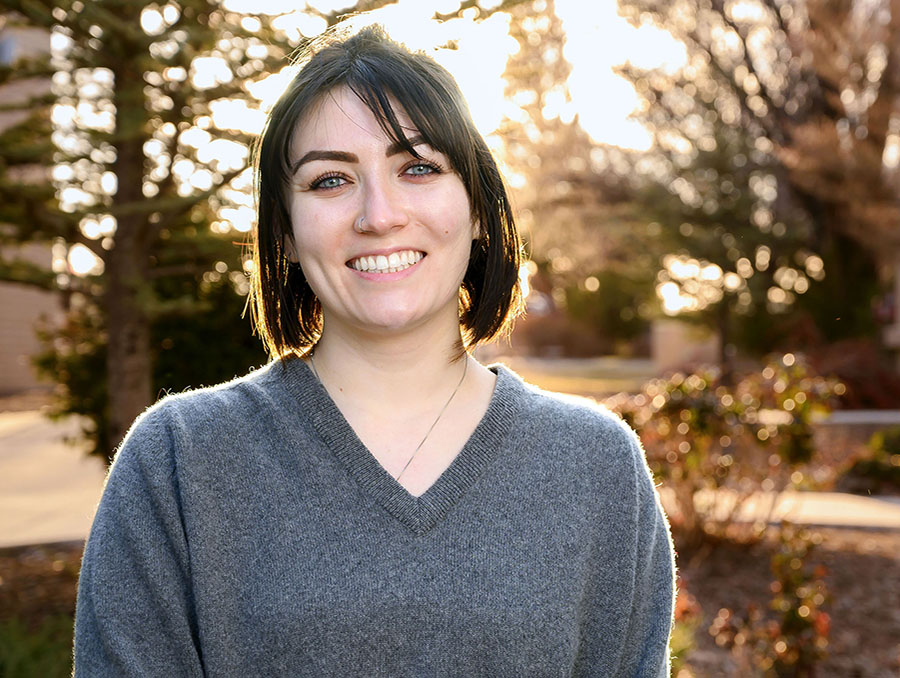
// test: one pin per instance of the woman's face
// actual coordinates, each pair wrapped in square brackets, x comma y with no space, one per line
[383,237]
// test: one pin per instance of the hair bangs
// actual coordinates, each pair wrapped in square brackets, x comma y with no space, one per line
[383,90]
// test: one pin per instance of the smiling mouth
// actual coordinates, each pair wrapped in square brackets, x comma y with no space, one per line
[395,261]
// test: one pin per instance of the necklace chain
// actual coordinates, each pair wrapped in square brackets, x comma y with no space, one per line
[312,364]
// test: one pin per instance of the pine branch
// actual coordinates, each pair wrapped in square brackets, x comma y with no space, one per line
[41,153]
[24,69]
[37,101]
[192,269]
[178,207]
[36,11]
[25,272]
[94,12]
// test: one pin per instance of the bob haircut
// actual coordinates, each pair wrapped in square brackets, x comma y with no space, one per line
[286,312]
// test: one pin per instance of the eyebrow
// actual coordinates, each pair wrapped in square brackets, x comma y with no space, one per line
[344,156]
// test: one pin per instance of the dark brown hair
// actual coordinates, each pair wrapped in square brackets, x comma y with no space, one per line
[285,311]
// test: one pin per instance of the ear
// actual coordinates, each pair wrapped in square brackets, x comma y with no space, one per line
[476,230]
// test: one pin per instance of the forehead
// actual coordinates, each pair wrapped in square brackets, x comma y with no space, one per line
[339,118]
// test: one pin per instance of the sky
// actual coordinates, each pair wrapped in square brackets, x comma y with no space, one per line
[597,39]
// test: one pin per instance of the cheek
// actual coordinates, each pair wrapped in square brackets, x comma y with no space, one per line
[310,232]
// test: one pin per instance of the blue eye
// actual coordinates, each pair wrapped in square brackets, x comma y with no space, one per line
[327,182]
[421,169]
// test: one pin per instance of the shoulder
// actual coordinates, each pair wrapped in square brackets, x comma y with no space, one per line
[159,434]
[256,390]
[577,437]
[570,419]
[582,450]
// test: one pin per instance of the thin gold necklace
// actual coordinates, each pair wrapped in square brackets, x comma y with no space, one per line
[312,364]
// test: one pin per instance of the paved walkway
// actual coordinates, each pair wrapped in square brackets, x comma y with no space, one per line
[825,509]
[49,489]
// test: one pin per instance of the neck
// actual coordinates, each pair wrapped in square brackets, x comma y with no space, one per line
[386,372]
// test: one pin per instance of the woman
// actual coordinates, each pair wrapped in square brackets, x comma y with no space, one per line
[375,502]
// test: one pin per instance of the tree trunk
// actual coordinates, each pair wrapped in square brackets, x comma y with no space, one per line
[128,361]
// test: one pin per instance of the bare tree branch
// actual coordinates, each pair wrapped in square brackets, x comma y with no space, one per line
[504,6]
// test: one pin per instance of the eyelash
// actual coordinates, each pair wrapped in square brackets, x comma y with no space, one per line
[433,166]
[316,184]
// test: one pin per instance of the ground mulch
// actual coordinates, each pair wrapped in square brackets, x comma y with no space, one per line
[38,582]
[862,576]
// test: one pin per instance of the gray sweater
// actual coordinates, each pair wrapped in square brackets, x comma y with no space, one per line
[246,531]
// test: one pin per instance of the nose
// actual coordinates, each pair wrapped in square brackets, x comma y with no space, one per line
[383,208]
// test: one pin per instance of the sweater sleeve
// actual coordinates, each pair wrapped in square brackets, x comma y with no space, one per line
[134,613]
[628,609]
[646,650]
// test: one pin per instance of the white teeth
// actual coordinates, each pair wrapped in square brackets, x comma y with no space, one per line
[396,261]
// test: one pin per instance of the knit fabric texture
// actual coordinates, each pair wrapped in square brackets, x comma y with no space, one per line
[245,530]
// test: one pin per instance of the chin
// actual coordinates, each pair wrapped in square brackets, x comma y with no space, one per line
[397,320]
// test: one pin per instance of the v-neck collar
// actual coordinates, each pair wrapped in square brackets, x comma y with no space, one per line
[418,514]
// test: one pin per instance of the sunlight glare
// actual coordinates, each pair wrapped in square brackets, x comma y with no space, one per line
[477,62]
[672,299]
[597,39]
[207,72]
[109,182]
[241,218]
[328,6]
[84,262]
[60,43]
[268,89]
[744,11]
[152,21]
[223,155]
[237,115]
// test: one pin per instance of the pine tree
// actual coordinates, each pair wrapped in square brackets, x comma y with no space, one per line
[139,182]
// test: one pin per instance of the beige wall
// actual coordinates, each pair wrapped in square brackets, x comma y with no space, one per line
[20,309]
[676,345]
[21,306]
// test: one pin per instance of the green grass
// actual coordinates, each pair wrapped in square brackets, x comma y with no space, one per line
[45,653]
[682,642]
